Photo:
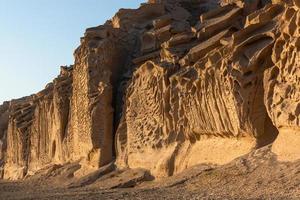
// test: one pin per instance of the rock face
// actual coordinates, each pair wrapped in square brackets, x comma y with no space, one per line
[205,101]
[282,84]
[38,132]
[164,87]
[3,132]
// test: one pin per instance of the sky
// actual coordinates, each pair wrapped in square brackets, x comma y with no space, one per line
[38,36]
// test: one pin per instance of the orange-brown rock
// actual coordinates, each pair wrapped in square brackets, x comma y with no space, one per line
[3,132]
[38,128]
[282,85]
[164,87]
[207,105]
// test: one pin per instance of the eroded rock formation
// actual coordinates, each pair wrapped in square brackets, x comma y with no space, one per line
[38,131]
[3,132]
[164,87]
[201,100]
[282,85]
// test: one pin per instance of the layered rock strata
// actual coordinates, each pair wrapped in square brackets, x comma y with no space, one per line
[164,87]
[282,85]
[3,132]
[38,129]
[202,98]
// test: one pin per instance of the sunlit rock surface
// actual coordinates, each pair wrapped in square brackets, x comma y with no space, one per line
[162,88]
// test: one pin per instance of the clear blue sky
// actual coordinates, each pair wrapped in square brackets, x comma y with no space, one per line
[37,36]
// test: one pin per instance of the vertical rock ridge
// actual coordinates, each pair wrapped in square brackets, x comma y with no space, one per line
[38,128]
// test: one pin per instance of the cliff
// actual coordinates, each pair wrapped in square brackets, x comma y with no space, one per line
[164,87]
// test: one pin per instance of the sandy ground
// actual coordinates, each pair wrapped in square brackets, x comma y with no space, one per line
[257,175]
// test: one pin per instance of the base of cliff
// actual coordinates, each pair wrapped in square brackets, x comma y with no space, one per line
[257,175]
[286,146]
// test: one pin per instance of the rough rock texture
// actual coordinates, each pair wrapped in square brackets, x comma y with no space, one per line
[161,88]
[257,175]
[282,84]
[202,98]
[38,128]
[3,131]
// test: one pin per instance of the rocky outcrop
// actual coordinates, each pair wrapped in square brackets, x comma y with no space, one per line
[282,83]
[203,100]
[3,132]
[164,87]
[38,128]
[102,66]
